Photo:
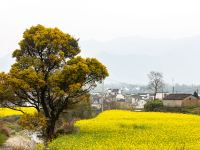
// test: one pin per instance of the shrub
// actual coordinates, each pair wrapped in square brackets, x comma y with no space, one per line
[153,105]
[35,122]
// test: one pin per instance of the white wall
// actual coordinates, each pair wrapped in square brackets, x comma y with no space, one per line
[172,103]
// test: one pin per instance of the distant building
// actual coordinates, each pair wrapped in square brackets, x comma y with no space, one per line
[135,99]
[120,97]
[180,100]
[113,91]
[141,104]
[140,99]
[161,95]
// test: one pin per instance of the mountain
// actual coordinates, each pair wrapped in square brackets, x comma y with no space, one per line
[131,59]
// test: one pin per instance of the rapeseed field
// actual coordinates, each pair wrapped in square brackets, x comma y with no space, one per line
[10,112]
[125,130]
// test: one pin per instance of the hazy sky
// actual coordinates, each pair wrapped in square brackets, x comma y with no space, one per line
[100,20]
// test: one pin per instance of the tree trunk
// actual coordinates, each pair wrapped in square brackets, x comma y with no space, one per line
[50,129]
[154,98]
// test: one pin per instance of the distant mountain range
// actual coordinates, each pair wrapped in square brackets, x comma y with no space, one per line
[130,59]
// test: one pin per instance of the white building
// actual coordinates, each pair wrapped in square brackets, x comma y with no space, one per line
[161,95]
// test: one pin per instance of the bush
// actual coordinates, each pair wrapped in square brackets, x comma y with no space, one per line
[35,122]
[153,105]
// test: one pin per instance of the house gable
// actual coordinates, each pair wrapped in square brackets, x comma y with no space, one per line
[180,100]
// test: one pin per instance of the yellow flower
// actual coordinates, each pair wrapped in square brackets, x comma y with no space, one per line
[126,130]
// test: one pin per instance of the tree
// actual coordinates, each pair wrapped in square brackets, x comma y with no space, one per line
[153,105]
[48,74]
[156,83]
[195,94]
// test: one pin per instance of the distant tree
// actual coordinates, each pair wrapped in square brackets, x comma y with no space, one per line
[156,82]
[48,74]
[195,94]
[153,105]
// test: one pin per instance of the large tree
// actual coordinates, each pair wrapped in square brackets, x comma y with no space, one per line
[156,82]
[48,74]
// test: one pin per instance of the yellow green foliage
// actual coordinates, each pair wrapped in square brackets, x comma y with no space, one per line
[124,130]
[9,112]
[36,121]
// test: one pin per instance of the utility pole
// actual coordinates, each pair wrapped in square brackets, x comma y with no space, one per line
[102,99]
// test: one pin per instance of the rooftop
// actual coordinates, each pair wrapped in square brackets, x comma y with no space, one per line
[176,96]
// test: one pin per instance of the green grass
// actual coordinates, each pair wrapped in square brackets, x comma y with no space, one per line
[3,138]
[121,130]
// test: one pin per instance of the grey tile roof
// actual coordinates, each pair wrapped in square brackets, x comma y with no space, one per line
[176,96]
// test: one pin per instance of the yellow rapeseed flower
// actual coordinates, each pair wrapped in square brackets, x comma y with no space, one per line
[126,130]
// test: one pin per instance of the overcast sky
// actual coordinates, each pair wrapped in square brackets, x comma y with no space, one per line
[102,20]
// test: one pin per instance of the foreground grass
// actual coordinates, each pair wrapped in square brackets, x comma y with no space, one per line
[4,112]
[121,130]
[3,138]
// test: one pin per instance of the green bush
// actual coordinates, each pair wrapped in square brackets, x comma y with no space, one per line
[153,105]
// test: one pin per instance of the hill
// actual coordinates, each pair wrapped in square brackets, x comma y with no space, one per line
[129,59]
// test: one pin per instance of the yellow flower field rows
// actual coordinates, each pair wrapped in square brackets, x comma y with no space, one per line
[124,130]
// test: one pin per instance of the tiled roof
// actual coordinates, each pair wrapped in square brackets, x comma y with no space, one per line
[176,96]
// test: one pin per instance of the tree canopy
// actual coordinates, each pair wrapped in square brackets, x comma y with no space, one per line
[48,73]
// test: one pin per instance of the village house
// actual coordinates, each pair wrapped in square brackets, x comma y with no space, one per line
[161,95]
[139,100]
[180,100]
